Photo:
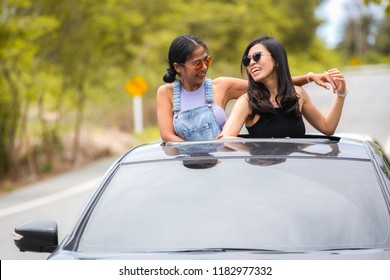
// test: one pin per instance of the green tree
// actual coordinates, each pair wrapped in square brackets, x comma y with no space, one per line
[298,24]
[357,33]
[64,63]
[19,31]
[363,40]
[383,42]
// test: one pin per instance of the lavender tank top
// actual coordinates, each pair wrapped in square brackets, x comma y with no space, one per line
[193,99]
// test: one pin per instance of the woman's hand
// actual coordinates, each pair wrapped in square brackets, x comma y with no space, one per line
[322,80]
[338,79]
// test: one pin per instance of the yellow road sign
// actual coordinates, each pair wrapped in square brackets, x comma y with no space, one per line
[136,86]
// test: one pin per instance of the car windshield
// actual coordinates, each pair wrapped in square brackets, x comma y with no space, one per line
[293,205]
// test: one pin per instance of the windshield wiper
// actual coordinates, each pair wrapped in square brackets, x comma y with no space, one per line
[217,250]
[347,249]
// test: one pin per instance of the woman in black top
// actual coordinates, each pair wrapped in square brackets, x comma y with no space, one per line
[273,106]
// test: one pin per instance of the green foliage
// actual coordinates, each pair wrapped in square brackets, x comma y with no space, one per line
[4,153]
[316,59]
[298,24]
[383,42]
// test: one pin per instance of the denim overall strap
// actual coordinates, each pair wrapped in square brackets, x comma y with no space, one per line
[176,96]
[209,92]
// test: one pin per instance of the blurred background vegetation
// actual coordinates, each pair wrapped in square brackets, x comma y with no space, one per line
[64,65]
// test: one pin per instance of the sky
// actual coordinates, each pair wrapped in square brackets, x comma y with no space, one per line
[333,12]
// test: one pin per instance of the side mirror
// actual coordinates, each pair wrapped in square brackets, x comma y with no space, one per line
[37,236]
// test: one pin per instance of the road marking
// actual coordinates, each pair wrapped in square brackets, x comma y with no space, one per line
[49,198]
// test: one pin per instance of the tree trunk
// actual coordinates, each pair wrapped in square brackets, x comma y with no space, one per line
[11,124]
[79,121]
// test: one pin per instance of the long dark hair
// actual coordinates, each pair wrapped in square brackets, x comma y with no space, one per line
[180,50]
[259,94]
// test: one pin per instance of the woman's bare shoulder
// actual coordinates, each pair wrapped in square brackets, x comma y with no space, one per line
[244,97]
[165,90]
[300,91]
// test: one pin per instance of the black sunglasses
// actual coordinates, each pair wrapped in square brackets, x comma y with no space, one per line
[246,60]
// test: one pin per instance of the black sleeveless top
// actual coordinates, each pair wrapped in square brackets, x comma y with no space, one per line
[277,125]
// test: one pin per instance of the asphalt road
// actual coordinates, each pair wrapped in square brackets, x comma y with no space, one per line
[59,198]
[366,111]
[367,108]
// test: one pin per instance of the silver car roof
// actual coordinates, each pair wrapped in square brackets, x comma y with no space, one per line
[319,147]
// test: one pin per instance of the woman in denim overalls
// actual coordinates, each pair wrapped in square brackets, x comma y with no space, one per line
[181,119]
